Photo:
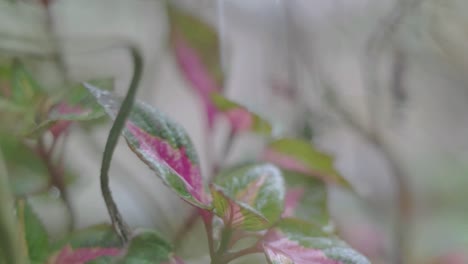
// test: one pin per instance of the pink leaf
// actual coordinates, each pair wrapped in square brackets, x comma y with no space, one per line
[241,120]
[177,159]
[291,202]
[68,255]
[197,75]
[279,249]
[299,242]
[285,161]
[61,126]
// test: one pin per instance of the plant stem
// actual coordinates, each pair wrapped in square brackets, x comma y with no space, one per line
[56,179]
[403,199]
[226,235]
[117,221]
[209,234]
[243,252]
[10,245]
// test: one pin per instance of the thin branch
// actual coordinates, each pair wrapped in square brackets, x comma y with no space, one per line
[120,226]
[58,54]
[403,198]
[243,252]
[209,234]
[380,39]
[56,179]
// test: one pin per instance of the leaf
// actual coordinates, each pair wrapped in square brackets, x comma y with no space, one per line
[24,88]
[196,51]
[250,196]
[162,144]
[28,174]
[149,247]
[306,198]
[200,38]
[301,156]
[21,101]
[87,245]
[76,105]
[36,241]
[240,118]
[298,242]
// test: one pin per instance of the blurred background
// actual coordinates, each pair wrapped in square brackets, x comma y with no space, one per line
[380,85]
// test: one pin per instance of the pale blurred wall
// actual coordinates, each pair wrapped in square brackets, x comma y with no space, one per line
[429,136]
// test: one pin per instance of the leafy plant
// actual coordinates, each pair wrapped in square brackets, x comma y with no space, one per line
[277,201]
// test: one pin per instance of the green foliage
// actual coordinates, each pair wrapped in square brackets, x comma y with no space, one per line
[36,240]
[306,198]
[28,174]
[240,117]
[147,247]
[301,156]
[251,196]
[284,211]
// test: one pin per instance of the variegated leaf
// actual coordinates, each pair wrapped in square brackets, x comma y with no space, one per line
[298,242]
[306,198]
[301,156]
[162,144]
[149,247]
[240,118]
[250,197]
[87,245]
[196,51]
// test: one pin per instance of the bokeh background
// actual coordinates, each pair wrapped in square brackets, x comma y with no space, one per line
[381,85]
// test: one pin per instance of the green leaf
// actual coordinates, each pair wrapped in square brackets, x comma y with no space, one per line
[86,245]
[148,247]
[36,240]
[162,144]
[250,196]
[306,198]
[25,89]
[28,174]
[299,242]
[75,105]
[240,118]
[301,156]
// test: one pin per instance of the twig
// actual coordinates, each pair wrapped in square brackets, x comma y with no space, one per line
[403,198]
[120,226]
[56,179]
[209,234]
[375,46]
[378,40]
[243,252]
[58,54]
